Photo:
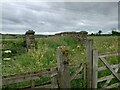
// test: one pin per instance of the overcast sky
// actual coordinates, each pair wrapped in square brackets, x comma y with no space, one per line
[53,17]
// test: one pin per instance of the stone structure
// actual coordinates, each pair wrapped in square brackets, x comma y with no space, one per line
[30,40]
[81,36]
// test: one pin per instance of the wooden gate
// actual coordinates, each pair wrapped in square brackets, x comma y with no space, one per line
[112,68]
[93,59]
[61,76]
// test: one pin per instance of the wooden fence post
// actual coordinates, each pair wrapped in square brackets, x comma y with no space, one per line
[1,64]
[95,69]
[85,72]
[89,48]
[62,62]
[32,84]
[54,79]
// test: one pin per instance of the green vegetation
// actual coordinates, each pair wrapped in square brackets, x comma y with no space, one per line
[43,57]
[45,54]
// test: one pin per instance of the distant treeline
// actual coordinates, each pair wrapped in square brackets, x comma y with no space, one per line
[12,36]
[15,36]
[114,33]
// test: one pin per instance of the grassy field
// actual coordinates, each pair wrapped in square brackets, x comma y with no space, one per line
[45,54]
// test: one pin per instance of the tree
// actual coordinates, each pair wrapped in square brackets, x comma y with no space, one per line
[83,32]
[99,32]
[92,34]
[115,33]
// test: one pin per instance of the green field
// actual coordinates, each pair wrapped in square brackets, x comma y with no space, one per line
[45,54]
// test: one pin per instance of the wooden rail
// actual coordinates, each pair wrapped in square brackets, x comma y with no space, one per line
[60,75]
[77,72]
[110,68]
[115,85]
[105,78]
[26,77]
[109,54]
[105,68]
[113,68]
[92,59]
[31,76]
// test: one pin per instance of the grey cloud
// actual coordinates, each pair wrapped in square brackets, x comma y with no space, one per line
[59,16]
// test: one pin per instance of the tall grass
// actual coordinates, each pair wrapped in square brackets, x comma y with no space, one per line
[45,54]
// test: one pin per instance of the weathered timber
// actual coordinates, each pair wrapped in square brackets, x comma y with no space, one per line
[108,81]
[44,86]
[95,68]
[109,54]
[110,68]
[85,75]
[62,62]
[89,48]
[54,81]
[32,84]
[105,78]
[26,77]
[77,72]
[115,85]
[79,76]
[105,68]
